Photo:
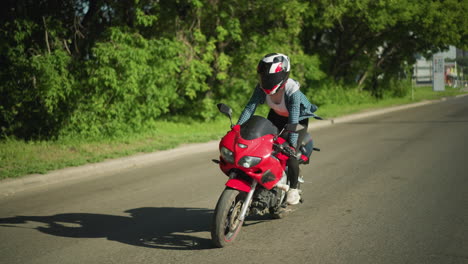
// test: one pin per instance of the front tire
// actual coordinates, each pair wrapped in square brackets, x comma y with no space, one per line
[226,224]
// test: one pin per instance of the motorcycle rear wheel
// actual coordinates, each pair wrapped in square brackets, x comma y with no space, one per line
[226,225]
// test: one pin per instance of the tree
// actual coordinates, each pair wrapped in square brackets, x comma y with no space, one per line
[102,67]
[364,39]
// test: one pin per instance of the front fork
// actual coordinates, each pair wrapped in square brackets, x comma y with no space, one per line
[242,185]
[247,201]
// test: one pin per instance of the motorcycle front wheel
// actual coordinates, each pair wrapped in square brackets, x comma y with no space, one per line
[226,224]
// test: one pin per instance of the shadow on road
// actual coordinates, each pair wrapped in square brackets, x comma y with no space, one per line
[162,228]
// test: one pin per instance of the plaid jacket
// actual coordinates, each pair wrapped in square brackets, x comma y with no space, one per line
[298,106]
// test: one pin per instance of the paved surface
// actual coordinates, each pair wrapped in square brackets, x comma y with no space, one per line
[385,189]
[11,186]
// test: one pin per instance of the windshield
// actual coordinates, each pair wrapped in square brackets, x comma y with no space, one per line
[256,127]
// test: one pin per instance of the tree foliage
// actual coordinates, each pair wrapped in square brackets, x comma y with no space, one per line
[101,67]
[366,39]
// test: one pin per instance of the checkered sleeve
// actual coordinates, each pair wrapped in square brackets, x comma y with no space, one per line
[258,97]
[294,110]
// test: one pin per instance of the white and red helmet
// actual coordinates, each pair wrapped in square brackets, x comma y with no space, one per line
[273,72]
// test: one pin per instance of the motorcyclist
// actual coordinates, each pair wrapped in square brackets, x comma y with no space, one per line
[288,106]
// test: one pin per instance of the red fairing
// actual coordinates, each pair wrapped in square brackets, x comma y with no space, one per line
[280,155]
[267,172]
[238,184]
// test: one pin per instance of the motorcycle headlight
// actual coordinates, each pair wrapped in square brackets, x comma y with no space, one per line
[249,161]
[227,155]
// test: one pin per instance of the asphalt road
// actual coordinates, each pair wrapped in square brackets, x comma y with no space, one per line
[386,189]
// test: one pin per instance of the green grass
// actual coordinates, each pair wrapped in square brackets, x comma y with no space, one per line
[420,94]
[18,158]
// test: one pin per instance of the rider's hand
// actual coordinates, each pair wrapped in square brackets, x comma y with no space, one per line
[289,150]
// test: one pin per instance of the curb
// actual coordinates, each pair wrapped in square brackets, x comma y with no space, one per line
[371,113]
[11,186]
[352,117]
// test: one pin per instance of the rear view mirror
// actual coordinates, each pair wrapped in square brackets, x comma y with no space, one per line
[294,127]
[225,109]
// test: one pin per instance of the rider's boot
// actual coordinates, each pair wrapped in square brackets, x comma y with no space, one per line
[293,197]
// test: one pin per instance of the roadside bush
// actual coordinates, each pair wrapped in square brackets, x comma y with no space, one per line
[396,88]
[332,93]
[130,82]
[36,87]
[133,81]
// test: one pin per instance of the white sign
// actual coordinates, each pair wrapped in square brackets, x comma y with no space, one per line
[438,82]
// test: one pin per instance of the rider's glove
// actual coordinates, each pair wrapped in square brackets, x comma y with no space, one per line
[289,150]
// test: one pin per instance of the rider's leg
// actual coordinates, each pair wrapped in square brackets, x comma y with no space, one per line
[293,173]
[293,169]
[293,164]
[277,120]
[293,196]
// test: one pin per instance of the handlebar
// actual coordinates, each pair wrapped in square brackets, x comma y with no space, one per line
[285,149]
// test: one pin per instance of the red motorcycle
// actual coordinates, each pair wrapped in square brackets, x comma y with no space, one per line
[254,157]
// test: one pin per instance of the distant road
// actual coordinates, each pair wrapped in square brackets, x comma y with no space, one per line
[386,189]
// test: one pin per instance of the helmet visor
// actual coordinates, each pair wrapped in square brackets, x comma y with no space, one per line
[270,82]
